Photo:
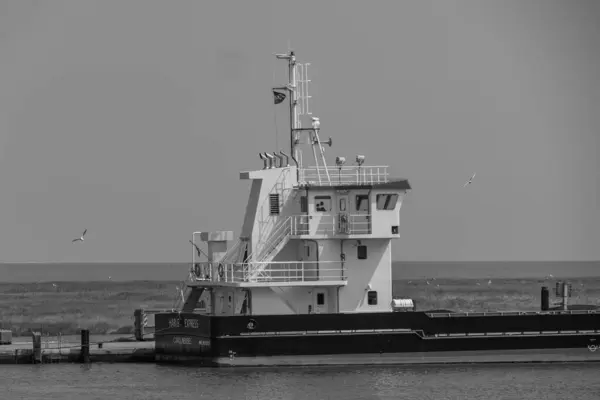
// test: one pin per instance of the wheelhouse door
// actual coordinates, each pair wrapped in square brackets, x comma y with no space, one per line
[320,301]
[230,306]
[343,220]
[310,261]
[301,221]
[360,220]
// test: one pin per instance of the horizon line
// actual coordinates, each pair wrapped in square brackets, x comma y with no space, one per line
[424,278]
[189,262]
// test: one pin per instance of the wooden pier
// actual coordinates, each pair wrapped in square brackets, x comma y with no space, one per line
[33,351]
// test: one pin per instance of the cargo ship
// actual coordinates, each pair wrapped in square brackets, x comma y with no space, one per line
[309,280]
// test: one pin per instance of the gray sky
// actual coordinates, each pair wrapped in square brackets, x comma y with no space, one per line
[133,118]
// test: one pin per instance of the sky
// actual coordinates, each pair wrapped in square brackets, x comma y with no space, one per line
[132,119]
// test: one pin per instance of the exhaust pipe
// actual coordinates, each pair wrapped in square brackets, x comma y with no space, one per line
[270,157]
[279,161]
[287,159]
[262,157]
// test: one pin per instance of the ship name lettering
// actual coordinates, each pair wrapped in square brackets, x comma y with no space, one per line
[191,323]
[182,340]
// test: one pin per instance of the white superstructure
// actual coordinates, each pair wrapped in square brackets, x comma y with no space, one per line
[314,239]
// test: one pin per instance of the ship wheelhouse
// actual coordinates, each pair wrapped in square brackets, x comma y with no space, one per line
[314,239]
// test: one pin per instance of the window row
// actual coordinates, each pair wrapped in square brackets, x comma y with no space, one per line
[324,203]
[361,252]
[371,299]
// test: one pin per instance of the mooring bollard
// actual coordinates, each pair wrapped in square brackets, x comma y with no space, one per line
[85,346]
[36,339]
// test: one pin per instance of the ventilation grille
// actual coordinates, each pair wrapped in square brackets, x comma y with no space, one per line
[274,203]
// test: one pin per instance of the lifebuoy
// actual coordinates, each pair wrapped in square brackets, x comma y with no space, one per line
[221,271]
[197,270]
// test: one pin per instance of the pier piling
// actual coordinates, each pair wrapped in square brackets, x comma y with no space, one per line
[545,299]
[36,340]
[85,346]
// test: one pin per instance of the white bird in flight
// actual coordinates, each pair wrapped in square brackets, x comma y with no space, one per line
[81,238]
[470,180]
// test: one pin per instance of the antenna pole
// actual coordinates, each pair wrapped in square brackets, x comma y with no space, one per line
[293,101]
[293,98]
[297,89]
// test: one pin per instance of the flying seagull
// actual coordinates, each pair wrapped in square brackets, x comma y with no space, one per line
[81,238]
[470,180]
[198,250]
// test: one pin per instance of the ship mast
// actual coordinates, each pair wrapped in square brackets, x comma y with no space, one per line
[297,89]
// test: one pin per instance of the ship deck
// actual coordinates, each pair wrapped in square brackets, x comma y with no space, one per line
[421,334]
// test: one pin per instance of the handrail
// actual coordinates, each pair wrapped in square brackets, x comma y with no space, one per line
[346,175]
[275,271]
[232,251]
[508,313]
[266,247]
[280,228]
[329,224]
[279,233]
[417,332]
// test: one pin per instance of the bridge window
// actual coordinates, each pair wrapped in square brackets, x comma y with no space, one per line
[323,203]
[387,201]
[361,252]
[274,203]
[362,202]
[372,298]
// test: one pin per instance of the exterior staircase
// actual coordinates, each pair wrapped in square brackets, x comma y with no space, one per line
[276,241]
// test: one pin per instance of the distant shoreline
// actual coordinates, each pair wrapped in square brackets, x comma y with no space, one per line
[393,262]
[177,281]
[162,272]
[107,307]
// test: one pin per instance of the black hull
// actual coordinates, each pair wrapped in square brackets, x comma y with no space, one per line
[380,343]
[242,340]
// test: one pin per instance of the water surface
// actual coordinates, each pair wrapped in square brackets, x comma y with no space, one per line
[149,381]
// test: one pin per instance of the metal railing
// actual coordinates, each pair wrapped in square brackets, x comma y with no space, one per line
[331,224]
[318,224]
[278,233]
[276,272]
[232,253]
[348,175]
[268,248]
[507,313]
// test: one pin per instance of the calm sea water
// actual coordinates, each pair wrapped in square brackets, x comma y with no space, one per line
[28,272]
[147,381]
